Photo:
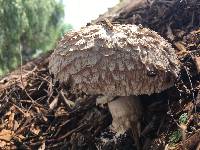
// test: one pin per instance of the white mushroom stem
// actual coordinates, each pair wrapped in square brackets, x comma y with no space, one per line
[126,113]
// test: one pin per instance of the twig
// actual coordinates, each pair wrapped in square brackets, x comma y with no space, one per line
[21,78]
[68,133]
[192,89]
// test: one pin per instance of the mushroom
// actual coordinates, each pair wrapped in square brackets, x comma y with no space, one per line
[120,62]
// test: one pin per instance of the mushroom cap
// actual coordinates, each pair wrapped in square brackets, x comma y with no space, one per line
[125,60]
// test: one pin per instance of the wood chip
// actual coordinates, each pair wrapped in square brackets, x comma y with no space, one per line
[197,62]
[6,135]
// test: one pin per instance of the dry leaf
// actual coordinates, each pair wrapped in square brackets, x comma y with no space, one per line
[16,125]
[2,144]
[68,102]
[180,46]
[35,129]
[196,31]
[53,103]
[197,62]
[11,120]
[42,147]
[6,135]
[182,49]
[19,138]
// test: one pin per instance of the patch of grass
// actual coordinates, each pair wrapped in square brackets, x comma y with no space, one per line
[175,137]
[183,118]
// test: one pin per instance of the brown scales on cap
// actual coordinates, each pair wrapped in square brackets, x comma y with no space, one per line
[126,61]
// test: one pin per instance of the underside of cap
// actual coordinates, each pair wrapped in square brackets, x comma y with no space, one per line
[127,60]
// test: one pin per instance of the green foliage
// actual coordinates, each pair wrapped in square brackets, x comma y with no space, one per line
[65,28]
[32,25]
[175,137]
[183,118]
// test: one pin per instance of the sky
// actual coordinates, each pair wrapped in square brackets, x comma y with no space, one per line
[80,12]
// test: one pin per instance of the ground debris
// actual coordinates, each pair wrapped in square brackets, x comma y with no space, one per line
[39,113]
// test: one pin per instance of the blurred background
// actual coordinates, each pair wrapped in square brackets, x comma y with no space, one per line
[29,28]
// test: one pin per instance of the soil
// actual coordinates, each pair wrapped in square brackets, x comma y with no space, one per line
[38,112]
